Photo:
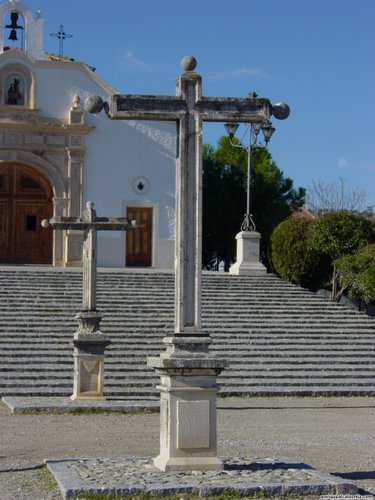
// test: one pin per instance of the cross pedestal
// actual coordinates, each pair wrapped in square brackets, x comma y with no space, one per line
[247,262]
[89,342]
[188,390]
[88,354]
[187,369]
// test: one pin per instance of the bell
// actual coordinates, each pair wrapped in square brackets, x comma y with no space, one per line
[13,35]
[13,26]
[14,19]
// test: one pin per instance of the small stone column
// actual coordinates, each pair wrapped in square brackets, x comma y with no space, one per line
[247,262]
[59,207]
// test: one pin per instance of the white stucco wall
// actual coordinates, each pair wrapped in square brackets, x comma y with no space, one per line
[117,152]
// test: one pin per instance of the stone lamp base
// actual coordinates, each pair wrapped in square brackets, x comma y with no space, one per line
[247,262]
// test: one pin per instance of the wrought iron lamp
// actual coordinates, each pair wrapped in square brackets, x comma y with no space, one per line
[253,130]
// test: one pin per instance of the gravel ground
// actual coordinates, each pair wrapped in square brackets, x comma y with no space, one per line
[335,435]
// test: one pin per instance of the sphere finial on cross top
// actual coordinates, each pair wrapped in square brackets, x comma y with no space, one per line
[189,63]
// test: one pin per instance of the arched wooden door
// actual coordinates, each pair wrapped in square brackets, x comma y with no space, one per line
[25,200]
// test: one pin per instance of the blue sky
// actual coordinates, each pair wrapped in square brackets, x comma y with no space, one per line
[317,56]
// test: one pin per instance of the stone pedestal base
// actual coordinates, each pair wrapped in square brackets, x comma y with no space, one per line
[247,262]
[89,345]
[187,405]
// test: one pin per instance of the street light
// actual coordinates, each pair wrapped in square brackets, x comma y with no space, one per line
[253,129]
[248,239]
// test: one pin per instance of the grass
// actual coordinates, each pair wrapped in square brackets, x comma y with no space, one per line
[45,480]
[226,495]
[149,496]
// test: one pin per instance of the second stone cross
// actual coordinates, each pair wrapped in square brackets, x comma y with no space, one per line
[89,342]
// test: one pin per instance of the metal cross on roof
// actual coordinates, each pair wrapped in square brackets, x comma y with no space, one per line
[61,35]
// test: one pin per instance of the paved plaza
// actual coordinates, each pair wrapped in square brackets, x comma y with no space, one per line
[332,435]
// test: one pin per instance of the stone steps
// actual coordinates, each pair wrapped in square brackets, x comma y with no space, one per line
[210,316]
[233,351]
[238,368]
[279,339]
[244,391]
[231,376]
[122,345]
[163,328]
[318,390]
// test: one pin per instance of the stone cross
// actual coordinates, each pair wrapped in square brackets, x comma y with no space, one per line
[89,224]
[188,109]
[188,371]
[89,342]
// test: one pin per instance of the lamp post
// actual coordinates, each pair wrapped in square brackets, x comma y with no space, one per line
[248,239]
[253,130]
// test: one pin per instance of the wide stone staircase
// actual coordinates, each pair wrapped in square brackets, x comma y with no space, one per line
[278,338]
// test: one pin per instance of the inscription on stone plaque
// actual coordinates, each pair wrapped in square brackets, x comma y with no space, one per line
[193,429]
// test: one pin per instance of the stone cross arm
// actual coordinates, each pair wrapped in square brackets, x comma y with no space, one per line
[88,221]
[169,108]
[80,224]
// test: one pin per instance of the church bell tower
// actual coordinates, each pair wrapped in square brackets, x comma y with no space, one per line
[20,29]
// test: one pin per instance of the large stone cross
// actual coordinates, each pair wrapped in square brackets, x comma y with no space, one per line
[89,342]
[188,371]
[188,109]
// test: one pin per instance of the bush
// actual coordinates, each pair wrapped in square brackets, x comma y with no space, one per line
[356,274]
[308,253]
[336,234]
[292,256]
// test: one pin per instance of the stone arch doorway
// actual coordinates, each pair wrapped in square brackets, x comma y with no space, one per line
[25,200]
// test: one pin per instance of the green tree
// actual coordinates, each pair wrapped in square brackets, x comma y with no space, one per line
[292,256]
[356,274]
[273,194]
[224,197]
[223,208]
[340,233]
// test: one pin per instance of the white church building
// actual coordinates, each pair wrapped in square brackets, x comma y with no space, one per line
[54,157]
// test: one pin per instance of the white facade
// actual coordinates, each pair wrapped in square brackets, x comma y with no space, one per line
[83,157]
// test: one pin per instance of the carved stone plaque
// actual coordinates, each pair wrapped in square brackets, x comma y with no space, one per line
[193,424]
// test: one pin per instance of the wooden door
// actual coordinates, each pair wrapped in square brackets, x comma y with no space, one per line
[139,241]
[25,200]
